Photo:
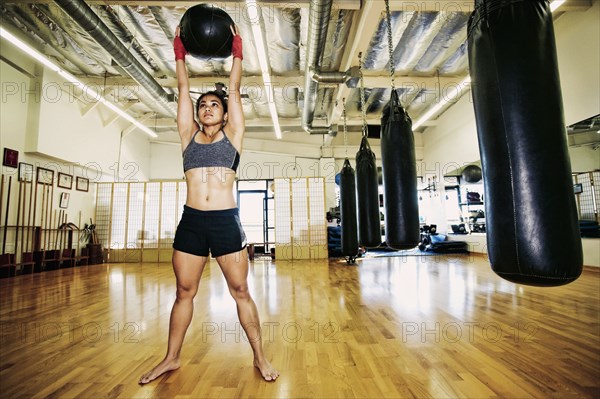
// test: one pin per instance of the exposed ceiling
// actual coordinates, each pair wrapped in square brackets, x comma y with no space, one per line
[585,133]
[429,40]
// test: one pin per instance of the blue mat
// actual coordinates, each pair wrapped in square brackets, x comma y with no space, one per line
[408,252]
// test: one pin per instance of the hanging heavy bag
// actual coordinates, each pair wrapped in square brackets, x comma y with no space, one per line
[399,171]
[348,210]
[532,231]
[367,194]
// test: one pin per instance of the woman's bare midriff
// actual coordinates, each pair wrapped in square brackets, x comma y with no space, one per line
[210,189]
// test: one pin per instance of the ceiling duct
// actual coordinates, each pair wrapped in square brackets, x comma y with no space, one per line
[85,17]
[350,77]
[318,20]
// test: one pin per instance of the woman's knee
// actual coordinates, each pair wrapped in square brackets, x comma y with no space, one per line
[186,291]
[240,291]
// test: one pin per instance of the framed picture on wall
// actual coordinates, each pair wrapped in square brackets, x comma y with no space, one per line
[11,158]
[65,180]
[64,200]
[25,172]
[82,184]
[45,176]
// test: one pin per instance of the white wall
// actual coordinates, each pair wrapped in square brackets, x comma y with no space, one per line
[135,158]
[16,107]
[65,134]
[166,162]
[578,49]
[44,123]
[584,159]
[38,105]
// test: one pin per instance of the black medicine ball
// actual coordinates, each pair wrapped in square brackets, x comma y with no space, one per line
[472,174]
[205,31]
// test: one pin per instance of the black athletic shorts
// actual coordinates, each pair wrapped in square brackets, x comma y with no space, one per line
[219,232]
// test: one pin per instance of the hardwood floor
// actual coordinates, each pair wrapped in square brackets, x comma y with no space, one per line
[432,326]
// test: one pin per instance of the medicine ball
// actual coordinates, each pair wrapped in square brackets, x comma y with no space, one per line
[205,31]
[472,174]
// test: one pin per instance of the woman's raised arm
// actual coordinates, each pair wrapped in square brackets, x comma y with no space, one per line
[186,124]
[235,112]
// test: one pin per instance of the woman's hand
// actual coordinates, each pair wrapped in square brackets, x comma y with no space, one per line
[236,48]
[178,47]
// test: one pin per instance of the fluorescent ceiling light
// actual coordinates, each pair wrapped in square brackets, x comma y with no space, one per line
[466,83]
[555,4]
[451,95]
[72,79]
[263,61]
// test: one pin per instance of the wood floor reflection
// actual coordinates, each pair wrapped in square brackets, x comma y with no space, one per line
[432,326]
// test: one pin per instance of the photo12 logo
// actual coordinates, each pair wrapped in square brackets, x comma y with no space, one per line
[426,332]
[52,332]
[291,332]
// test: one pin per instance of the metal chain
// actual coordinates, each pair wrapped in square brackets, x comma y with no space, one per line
[388,18]
[362,96]
[345,129]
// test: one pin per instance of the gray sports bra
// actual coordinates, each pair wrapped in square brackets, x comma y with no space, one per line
[219,153]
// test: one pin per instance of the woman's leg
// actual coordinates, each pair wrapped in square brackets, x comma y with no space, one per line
[235,270]
[188,270]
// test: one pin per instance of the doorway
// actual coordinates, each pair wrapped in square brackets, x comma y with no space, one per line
[257,214]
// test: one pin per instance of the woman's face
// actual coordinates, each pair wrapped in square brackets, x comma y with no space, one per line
[210,111]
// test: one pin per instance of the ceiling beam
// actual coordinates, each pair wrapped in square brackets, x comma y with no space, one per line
[432,5]
[195,82]
[132,127]
[571,6]
[273,147]
[575,5]
[361,31]
[467,6]
[339,4]
[116,116]
[372,79]
[91,106]
[166,123]
[281,147]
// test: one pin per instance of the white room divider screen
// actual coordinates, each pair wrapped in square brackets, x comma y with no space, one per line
[300,221]
[136,222]
[587,194]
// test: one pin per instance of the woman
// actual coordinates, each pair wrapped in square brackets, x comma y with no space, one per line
[210,220]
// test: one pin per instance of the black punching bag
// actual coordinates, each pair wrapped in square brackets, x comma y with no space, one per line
[348,210]
[367,193]
[532,228]
[399,171]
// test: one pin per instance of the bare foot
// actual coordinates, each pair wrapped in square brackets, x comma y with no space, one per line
[268,372]
[163,367]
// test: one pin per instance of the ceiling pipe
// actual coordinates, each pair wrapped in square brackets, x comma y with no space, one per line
[318,19]
[349,78]
[85,17]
